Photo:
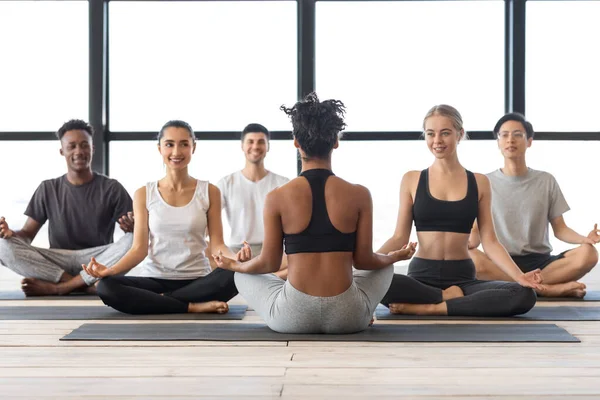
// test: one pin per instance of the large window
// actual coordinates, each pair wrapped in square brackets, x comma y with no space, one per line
[30,163]
[217,65]
[380,165]
[212,160]
[563,60]
[44,67]
[389,62]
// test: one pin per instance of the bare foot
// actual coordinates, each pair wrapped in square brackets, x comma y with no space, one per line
[452,292]
[372,321]
[219,307]
[568,289]
[419,309]
[38,287]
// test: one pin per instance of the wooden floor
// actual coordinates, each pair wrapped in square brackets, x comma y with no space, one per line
[34,364]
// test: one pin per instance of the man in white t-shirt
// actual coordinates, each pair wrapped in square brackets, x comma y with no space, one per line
[243,193]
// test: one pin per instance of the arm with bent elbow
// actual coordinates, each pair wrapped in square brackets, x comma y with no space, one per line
[391,252]
[139,248]
[269,260]
[564,233]
[492,246]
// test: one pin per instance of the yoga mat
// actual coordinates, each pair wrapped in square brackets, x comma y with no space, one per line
[376,333]
[589,296]
[562,313]
[19,295]
[104,312]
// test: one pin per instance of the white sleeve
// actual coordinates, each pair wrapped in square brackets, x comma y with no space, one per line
[222,185]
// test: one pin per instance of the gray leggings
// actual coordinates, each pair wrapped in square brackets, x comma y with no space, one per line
[427,278]
[288,310]
[50,264]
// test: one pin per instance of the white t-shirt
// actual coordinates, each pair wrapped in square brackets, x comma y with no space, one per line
[244,201]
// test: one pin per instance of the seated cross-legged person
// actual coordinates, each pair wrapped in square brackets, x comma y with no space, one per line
[172,216]
[444,201]
[525,202]
[243,193]
[82,208]
[325,224]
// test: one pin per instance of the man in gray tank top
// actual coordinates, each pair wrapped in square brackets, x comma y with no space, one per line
[525,202]
[81,208]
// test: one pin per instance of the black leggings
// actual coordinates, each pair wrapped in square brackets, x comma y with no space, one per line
[427,278]
[140,295]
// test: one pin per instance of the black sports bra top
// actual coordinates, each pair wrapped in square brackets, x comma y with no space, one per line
[320,236]
[431,214]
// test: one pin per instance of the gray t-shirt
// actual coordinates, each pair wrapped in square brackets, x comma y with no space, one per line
[522,208]
[81,216]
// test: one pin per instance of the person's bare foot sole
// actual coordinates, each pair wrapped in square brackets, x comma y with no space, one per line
[418,309]
[219,307]
[38,287]
[568,289]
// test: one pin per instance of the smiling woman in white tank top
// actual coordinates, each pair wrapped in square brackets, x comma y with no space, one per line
[171,218]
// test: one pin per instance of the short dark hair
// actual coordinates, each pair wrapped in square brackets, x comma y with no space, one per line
[317,125]
[255,128]
[176,123]
[514,116]
[74,124]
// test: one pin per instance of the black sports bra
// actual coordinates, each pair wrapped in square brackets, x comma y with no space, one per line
[320,236]
[431,214]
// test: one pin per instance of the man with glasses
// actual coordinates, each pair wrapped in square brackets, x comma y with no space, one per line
[524,203]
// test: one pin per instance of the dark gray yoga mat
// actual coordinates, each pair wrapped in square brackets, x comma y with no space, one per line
[563,313]
[376,333]
[104,312]
[19,295]
[590,296]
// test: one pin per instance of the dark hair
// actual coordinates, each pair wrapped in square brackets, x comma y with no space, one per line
[316,125]
[74,124]
[255,128]
[176,123]
[514,117]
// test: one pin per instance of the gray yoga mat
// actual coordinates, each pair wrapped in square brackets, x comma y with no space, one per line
[589,296]
[104,312]
[563,313]
[19,295]
[376,333]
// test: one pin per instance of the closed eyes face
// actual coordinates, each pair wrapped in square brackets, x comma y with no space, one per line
[176,147]
[441,136]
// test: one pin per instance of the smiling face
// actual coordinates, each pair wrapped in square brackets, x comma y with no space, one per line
[176,147]
[441,136]
[512,140]
[255,147]
[77,148]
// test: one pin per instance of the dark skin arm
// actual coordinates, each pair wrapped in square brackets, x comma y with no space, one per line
[364,258]
[269,260]
[27,233]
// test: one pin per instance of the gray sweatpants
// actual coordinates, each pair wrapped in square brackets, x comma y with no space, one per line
[50,264]
[288,310]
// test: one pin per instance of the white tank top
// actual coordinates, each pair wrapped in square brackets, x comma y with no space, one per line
[176,236]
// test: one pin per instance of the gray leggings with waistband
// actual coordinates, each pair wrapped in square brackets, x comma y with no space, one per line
[288,310]
[427,278]
[50,264]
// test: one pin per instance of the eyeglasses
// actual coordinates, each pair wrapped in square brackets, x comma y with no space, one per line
[515,134]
